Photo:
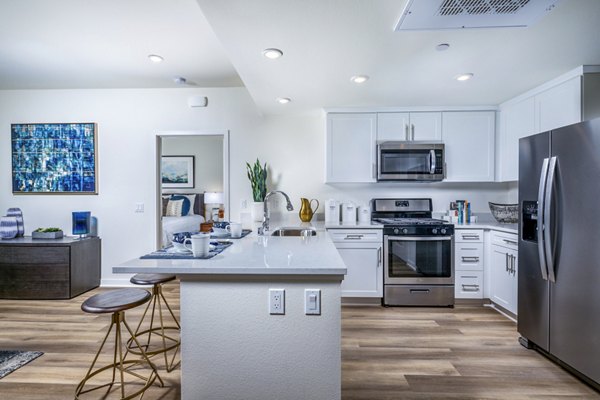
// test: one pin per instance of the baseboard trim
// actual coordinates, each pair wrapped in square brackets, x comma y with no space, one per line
[121,282]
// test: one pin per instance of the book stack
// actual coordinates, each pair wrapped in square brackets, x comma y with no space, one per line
[463,211]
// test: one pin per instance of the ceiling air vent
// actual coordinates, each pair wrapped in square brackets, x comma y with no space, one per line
[458,14]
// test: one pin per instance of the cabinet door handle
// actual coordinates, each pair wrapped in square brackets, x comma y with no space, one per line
[470,258]
[506,261]
[412,129]
[353,237]
[379,257]
[406,132]
[470,288]
[510,242]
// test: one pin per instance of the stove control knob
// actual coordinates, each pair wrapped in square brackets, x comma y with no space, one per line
[404,230]
[434,231]
[396,231]
[443,231]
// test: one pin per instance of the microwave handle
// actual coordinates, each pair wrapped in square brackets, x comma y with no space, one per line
[432,161]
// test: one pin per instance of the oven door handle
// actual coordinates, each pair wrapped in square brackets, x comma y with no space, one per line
[418,238]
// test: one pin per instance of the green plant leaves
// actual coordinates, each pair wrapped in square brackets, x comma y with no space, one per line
[257,175]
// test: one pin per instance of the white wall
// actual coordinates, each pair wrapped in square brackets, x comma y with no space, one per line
[128,122]
[208,160]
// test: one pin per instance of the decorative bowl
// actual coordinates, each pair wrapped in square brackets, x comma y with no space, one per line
[505,213]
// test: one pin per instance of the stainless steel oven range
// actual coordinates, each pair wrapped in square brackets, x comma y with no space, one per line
[418,253]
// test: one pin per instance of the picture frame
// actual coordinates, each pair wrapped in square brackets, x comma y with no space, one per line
[177,172]
[54,158]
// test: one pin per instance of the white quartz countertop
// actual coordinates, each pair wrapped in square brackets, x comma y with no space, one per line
[254,255]
[492,225]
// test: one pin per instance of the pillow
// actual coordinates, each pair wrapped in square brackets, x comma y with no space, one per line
[165,202]
[185,209]
[174,208]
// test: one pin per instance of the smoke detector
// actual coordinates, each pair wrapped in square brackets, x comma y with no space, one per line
[458,14]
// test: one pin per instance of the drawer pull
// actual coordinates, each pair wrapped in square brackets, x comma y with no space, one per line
[353,237]
[473,259]
[470,288]
[470,237]
[469,276]
[510,242]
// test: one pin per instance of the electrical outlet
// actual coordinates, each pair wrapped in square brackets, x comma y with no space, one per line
[276,301]
[312,301]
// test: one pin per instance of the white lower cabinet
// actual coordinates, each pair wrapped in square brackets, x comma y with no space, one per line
[504,271]
[468,264]
[468,285]
[362,252]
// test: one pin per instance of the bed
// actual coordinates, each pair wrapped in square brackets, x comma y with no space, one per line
[185,223]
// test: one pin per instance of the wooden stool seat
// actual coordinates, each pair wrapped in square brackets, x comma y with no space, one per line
[151,279]
[115,301]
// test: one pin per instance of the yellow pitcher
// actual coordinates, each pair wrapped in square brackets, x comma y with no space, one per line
[306,212]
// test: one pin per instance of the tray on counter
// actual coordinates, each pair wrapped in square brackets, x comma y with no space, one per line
[169,253]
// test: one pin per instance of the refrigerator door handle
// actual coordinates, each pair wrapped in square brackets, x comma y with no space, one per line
[541,219]
[547,227]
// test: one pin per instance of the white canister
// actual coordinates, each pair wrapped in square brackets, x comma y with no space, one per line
[332,211]
[348,213]
[364,214]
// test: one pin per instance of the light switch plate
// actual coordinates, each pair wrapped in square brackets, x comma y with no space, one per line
[312,301]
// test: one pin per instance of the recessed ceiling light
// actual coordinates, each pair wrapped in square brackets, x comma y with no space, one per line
[359,78]
[272,53]
[283,100]
[464,77]
[155,58]
[442,47]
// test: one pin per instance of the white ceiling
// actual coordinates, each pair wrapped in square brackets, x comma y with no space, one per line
[105,43]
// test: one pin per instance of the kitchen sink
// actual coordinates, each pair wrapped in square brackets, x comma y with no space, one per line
[294,231]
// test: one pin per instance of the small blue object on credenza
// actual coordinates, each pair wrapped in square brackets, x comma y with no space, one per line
[81,222]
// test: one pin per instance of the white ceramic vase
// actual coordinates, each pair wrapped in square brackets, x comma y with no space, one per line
[258,211]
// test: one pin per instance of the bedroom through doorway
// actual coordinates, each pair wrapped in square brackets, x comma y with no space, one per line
[192,182]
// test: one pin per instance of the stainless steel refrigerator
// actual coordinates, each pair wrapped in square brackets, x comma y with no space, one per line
[559,245]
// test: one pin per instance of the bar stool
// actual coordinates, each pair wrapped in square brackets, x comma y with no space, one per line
[166,342]
[116,302]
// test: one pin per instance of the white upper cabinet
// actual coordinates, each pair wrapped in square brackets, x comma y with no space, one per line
[559,106]
[552,108]
[517,121]
[351,147]
[425,126]
[469,145]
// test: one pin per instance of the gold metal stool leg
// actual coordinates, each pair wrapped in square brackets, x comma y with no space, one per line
[168,342]
[119,363]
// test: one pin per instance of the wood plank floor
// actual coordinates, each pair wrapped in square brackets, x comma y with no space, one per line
[469,352]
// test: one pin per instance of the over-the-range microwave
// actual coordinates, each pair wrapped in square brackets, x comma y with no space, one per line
[410,161]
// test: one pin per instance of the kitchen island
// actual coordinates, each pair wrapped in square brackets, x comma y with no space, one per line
[232,347]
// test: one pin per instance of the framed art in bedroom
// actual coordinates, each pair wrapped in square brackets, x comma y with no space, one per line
[54,158]
[177,172]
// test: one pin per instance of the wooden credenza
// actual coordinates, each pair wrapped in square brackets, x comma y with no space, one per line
[48,269]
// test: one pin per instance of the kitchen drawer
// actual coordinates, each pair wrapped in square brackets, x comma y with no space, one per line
[468,256]
[468,235]
[468,285]
[356,235]
[508,240]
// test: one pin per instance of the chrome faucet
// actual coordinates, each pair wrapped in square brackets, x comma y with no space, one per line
[266,215]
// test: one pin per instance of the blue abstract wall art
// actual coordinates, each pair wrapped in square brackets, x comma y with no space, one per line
[54,158]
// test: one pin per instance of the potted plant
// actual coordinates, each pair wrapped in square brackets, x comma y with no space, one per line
[47,233]
[257,175]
